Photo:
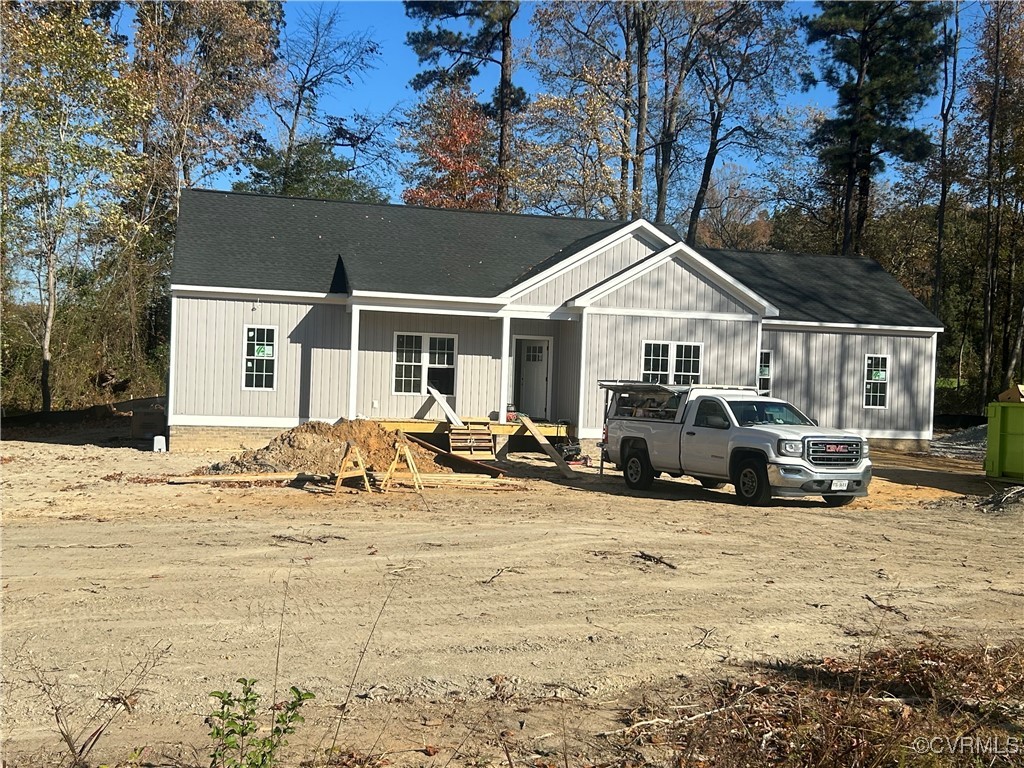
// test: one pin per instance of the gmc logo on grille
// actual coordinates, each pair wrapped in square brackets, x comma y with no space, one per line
[833,448]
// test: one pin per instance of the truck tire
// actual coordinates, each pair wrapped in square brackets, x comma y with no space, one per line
[638,472]
[837,501]
[710,483]
[752,483]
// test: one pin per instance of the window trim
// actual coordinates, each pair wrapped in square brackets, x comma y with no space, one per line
[888,380]
[673,352]
[424,362]
[771,371]
[245,357]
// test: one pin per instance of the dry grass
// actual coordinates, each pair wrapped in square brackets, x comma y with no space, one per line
[928,706]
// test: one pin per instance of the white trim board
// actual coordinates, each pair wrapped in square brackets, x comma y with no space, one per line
[386,297]
[274,422]
[881,330]
[672,314]
[209,291]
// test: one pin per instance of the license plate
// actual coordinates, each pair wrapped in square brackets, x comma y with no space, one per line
[840,485]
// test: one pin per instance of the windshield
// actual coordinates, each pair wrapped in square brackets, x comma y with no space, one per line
[750,412]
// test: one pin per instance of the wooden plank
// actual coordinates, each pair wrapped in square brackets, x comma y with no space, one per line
[448,412]
[549,449]
[245,478]
[492,471]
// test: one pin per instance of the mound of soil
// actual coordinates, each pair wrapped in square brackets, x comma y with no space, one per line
[318,448]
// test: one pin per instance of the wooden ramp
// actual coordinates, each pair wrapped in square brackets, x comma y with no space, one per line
[472,441]
[549,449]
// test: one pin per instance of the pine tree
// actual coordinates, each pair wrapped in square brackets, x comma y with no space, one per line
[456,57]
[883,61]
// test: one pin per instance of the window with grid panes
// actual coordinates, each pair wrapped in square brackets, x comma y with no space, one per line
[876,381]
[671,362]
[422,361]
[260,356]
[687,364]
[764,372]
[656,359]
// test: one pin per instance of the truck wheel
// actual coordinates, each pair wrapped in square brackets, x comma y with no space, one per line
[711,483]
[752,483]
[638,472]
[837,501]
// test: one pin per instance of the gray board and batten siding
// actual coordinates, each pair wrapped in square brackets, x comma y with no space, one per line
[672,286]
[311,362]
[582,277]
[477,367]
[615,350]
[824,374]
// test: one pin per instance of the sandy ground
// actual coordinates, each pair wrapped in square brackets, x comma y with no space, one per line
[522,618]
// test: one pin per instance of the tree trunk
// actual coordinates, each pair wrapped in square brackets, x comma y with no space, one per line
[504,111]
[51,313]
[863,200]
[642,27]
[705,177]
[949,84]
[991,224]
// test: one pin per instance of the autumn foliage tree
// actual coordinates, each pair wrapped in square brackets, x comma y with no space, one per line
[451,142]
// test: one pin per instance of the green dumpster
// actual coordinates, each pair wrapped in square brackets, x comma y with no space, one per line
[1005,457]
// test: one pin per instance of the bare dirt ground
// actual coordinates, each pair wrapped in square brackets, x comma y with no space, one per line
[496,619]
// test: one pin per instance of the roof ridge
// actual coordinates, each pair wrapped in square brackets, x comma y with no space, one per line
[548,217]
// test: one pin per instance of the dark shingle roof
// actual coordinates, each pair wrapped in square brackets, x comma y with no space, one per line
[238,240]
[825,289]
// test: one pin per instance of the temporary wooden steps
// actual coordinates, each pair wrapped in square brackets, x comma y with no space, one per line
[473,441]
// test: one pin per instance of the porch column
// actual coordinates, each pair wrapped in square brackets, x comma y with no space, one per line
[353,362]
[506,327]
[584,340]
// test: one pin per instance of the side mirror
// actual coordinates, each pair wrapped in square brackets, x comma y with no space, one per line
[814,422]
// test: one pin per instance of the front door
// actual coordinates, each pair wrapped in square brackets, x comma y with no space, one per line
[533,372]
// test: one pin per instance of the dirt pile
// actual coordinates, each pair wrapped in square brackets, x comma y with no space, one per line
[318,448]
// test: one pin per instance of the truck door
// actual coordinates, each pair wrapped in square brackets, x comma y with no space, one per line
[705,439]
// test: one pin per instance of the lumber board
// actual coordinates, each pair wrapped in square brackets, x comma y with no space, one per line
[244,478]
[448,412]
[549,449]
[492,471]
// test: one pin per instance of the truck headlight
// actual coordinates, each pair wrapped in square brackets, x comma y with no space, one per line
[791,448]
[864,449]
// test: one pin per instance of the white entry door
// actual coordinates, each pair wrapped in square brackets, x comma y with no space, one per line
[533,373]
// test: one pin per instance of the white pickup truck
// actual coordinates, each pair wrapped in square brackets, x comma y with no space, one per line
[762,445]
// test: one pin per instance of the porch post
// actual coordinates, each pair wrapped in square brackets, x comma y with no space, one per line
[506,326]
[581,406]
[353,362]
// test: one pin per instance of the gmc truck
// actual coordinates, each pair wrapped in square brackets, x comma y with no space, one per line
[762,445]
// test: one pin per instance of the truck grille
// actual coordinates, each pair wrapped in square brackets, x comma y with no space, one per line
[833,453]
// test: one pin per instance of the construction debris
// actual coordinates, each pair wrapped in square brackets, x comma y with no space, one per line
[1004,500]
[549,449]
